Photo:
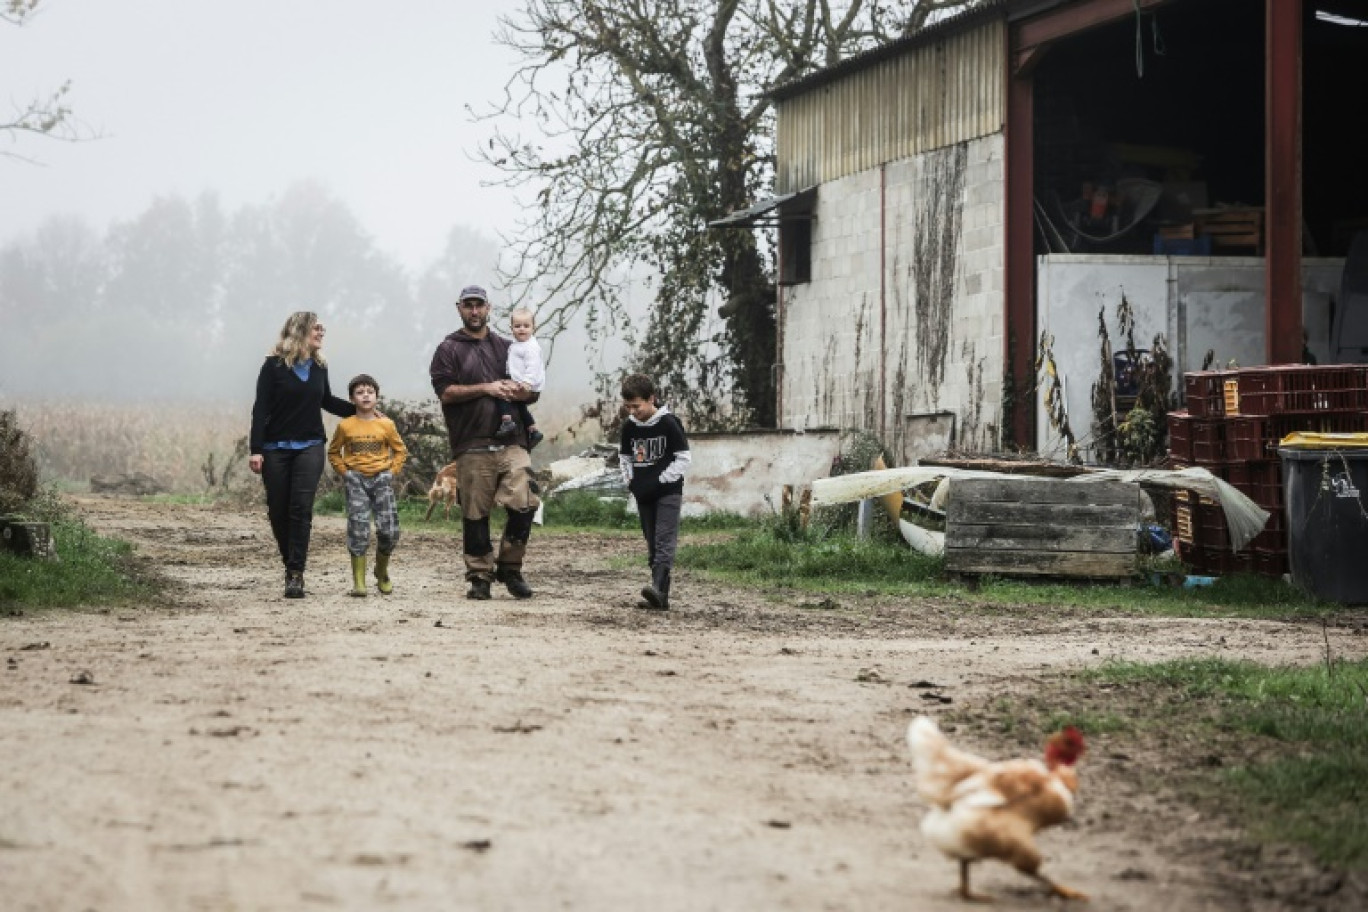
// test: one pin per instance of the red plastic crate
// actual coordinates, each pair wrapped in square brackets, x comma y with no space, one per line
[1261,482]
[1271,563]
[1247,437]
[1210,524]
[1279,426]
[1256,437]
[1208,442]
[1218,561]
[1180,436]
[1273,537]
[1204,393]
[1237,473]
[1300,388]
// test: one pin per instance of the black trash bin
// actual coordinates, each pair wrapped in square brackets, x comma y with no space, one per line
[1326,492]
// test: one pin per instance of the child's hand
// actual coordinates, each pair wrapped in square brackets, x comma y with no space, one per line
[644,489]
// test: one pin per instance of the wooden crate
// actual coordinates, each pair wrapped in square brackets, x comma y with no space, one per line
[27,539]
[1042,527]
[1233,229]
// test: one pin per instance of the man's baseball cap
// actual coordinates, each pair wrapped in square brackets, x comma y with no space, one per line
[473,292]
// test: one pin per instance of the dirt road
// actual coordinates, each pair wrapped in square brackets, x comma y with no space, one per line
[239,751]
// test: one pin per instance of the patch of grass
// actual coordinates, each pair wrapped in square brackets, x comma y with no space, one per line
[773,553]
[91,569]
[1311,788]
[586,510]
[822,559]
[572,511]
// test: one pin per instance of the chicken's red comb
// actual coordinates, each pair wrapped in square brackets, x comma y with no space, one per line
[1065,747]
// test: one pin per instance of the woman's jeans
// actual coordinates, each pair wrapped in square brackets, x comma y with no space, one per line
[291,479]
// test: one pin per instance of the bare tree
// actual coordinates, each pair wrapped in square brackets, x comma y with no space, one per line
[46,116]
[654,117]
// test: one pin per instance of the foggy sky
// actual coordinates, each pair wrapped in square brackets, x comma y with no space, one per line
[245,100]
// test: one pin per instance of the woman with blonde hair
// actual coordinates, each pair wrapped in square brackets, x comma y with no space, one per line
[288,441]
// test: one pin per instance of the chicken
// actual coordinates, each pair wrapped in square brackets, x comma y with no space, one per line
[981,809]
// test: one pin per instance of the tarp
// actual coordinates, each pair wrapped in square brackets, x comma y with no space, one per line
[1244,518]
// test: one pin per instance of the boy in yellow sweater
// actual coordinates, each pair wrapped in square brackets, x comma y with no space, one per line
[367,451]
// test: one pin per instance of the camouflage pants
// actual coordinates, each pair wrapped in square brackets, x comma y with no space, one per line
[367,494]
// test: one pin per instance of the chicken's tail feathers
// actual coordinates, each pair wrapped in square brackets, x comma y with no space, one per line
[924,738]
[938,765]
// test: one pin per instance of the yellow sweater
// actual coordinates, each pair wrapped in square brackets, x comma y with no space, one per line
[369,447]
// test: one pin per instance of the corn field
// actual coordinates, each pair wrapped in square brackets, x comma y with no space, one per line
[189,448]
[201,448]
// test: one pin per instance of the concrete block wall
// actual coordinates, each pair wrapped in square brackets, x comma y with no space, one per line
[943,347]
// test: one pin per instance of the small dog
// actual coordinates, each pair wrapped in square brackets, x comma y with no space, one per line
[443,490]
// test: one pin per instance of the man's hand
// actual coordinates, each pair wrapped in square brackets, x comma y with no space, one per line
[508,390]
[255,463]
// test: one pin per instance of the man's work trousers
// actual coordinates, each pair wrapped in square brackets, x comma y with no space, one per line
[489,479]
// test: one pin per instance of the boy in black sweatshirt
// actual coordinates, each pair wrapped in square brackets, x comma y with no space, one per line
[654,457]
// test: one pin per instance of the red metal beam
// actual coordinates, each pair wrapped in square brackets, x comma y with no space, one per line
[1073,18]
[1019,265]
[1283,182]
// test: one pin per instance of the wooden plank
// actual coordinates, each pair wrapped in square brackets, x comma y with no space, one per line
[1024,467]
[1022,527]
[1021,563]
[1017,490]
[1026,514]
[1002,537]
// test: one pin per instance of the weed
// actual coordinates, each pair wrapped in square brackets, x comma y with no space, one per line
[1312,788]
[18,469]
[90,569]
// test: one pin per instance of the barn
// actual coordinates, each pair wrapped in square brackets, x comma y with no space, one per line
[946,200]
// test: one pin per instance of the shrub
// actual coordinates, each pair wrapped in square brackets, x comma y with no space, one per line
[18,468]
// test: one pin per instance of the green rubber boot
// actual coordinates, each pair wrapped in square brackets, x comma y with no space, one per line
[359,576]
[382,580]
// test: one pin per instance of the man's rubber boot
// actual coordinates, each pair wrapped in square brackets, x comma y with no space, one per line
[382,580]
[513,579]
[359,575]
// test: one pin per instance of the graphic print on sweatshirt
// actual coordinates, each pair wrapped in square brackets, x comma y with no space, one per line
[648,450]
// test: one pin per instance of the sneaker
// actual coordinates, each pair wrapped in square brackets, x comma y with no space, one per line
[654,599]
[513,579]
[507,428]
[534,437]
[294,584]
[479,589]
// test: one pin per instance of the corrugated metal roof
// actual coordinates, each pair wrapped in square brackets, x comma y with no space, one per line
[764,207]
[989,9]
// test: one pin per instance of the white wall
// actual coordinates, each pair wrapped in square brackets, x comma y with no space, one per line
[734,473]
[928,338]
[1198,303]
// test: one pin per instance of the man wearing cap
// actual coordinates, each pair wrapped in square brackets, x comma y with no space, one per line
[470,376]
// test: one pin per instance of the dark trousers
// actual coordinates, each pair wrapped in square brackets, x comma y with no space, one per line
[516,410]
[660,525]
[291,479]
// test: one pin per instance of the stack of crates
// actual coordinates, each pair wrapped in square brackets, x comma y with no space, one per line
[1232,425]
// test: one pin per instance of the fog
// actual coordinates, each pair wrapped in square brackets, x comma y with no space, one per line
[243,161]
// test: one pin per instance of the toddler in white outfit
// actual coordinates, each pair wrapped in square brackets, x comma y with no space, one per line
[525,367]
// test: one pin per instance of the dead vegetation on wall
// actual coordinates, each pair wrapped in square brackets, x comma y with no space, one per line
[935,245]
[974,435]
